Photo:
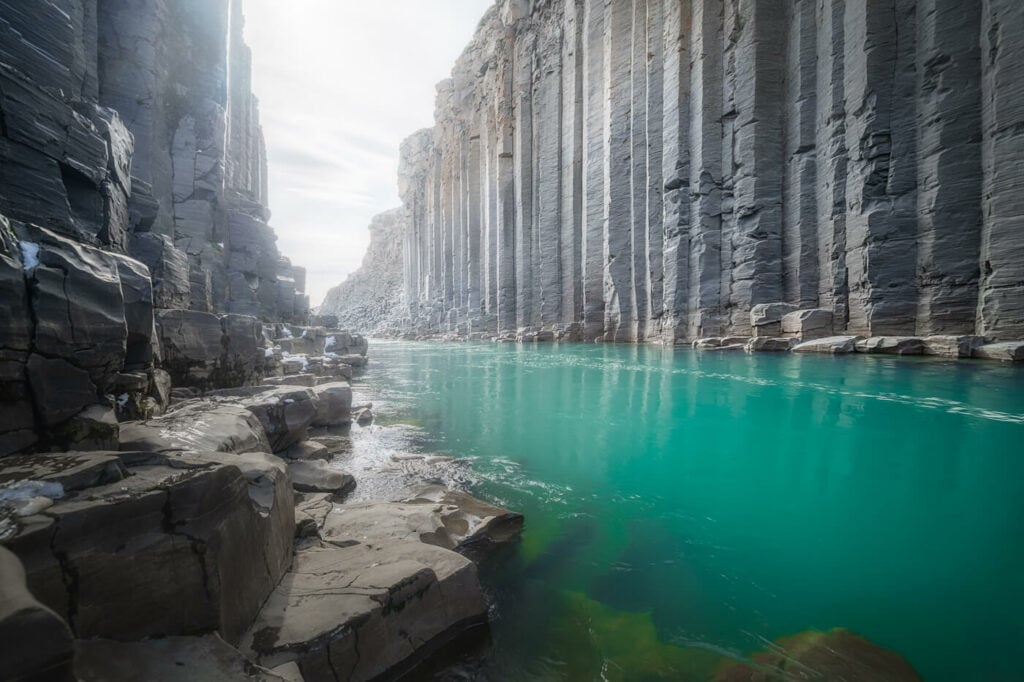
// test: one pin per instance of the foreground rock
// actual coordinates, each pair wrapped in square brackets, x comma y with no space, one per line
[317,476]
[142,544]
[36,642]
[356,613]
[198,425]
[834,655]
[436,515]
[171,659]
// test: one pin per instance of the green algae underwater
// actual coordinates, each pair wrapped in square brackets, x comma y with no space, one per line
[724,516]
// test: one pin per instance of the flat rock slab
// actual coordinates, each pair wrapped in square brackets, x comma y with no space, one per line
[830,344]
[72,470]
[358,613]
[952,346]
[181,544]
[171,659]
[198,425]
[437,516]
[891,345]
[317,476]
[1007,351]
[765,344]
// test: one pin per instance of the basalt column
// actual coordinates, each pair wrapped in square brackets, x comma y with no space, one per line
[650,170]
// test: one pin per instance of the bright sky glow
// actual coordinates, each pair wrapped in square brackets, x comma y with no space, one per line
[341,83]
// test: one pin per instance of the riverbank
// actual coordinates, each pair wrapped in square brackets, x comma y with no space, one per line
[229,514]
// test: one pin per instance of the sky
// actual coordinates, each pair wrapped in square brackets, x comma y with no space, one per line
[341,83]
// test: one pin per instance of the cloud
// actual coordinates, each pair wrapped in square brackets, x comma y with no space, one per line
[341,83]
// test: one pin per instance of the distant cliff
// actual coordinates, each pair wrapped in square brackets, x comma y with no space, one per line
[369,300]
[652,169]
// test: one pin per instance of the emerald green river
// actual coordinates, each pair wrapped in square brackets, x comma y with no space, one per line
[686,508]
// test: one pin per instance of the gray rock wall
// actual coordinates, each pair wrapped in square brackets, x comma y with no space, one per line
[132,193]
[127,122]
[652,169]
[370,298]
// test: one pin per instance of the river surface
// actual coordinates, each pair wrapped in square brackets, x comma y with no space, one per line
[682,507]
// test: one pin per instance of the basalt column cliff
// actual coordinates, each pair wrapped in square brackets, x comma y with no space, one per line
[133,233]
[635,170]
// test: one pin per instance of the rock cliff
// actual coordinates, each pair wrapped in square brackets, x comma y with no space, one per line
[134,244]
[370,298]
[654,169]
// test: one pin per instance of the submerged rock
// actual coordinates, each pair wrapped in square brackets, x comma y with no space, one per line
[834,655]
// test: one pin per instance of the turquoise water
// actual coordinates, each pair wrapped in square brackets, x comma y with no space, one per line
[682,506]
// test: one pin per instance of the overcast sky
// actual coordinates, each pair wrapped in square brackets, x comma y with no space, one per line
[341,83]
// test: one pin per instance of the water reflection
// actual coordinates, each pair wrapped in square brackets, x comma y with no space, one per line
[730,500]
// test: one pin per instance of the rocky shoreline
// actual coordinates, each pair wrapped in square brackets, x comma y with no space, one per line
[216,543]
[780,327]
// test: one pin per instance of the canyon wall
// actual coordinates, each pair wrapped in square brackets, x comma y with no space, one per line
[131,126]
[369,300]
[633,170]
[134,244]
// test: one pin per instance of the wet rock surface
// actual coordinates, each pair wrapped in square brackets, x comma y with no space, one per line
[358,613]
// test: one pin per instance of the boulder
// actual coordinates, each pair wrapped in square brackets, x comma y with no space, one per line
[317,476]
[308,449]
[766,318]
[363,613]
[37,643]
[198,425]
[808,324]
[363,416]
[435,515]
[769,344]
[170,659]
[335,404]
[952,346]
[94,428]
[1007,351]
[286,412]
[357,361]
[829,344]
[891,345]
[183,544]
[307,380]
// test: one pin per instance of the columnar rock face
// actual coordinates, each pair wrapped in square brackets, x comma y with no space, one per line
[653,169]
[131,126]
[370,299]
[132,215]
